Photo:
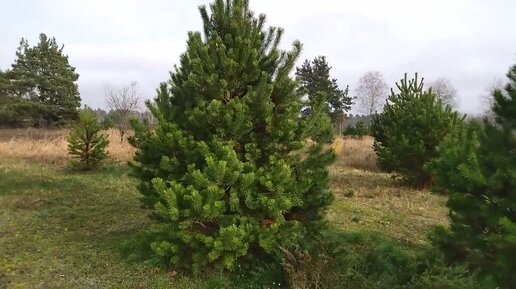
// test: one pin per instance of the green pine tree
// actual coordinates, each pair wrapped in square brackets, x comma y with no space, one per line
[358,130]
[477,168]
[42,75]
[315,83]
[5,113]
[86,143]
[4,82]
[505,101]
[409,130]
[231,170]
[15,111]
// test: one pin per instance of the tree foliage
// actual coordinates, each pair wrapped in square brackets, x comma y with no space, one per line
[41,78]
[228,171]
[409,130]
[86,143]
[477,167]
[357,130]
[317,86]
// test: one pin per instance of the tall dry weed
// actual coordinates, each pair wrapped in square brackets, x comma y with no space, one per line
[355,153]
[47,145]
[305,271]
[50,145]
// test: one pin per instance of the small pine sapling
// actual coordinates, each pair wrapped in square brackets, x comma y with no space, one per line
[86,143]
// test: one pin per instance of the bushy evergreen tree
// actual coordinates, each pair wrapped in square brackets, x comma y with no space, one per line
[86,143]
[3,83]
[16,111]
[42,76]
[357,130]
[477,167]
[228,169]
[409,130]
[317,86]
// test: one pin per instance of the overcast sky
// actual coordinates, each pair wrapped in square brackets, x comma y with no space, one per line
[470,42]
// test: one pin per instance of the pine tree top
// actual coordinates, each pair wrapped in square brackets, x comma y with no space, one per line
[315,83]
[505,101]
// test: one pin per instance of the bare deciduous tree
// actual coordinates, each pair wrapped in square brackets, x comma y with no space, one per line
[444,90]
[122,101]
[487,97]
[371,92]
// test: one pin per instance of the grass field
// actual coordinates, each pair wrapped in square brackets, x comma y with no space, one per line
[63,229]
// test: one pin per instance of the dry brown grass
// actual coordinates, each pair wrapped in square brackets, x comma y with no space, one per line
[50,145]
[46,145]
[355,153]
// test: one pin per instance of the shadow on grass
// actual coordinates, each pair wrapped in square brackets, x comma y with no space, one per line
[100,207]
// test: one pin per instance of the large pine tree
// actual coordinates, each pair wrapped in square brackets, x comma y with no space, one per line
[231,171]
[42,75]
[477,168]
[318,87]
[16,111]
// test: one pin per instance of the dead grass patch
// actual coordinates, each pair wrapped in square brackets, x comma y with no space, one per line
[46,145]
[355,153]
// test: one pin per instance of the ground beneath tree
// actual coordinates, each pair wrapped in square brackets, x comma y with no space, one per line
[60,229]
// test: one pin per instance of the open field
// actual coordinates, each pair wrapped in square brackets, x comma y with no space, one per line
[62,229]
[50,146]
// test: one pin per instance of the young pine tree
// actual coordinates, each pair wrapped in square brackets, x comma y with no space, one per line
[228,170]
[409,130]
[477,168]
[86,144]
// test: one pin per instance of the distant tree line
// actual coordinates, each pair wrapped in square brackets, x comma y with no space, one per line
[40,90]
[107,117]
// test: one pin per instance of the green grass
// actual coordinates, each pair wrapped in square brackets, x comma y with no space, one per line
[374,201]
[63,229]
[60,229]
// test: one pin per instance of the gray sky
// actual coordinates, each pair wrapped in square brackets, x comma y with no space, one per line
[470,42]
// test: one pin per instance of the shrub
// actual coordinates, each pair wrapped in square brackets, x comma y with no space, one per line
[357,260]
[228,170]
[477,167]
[358,130]
[409,130]
[108,122]
[304,270]
[85,142]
